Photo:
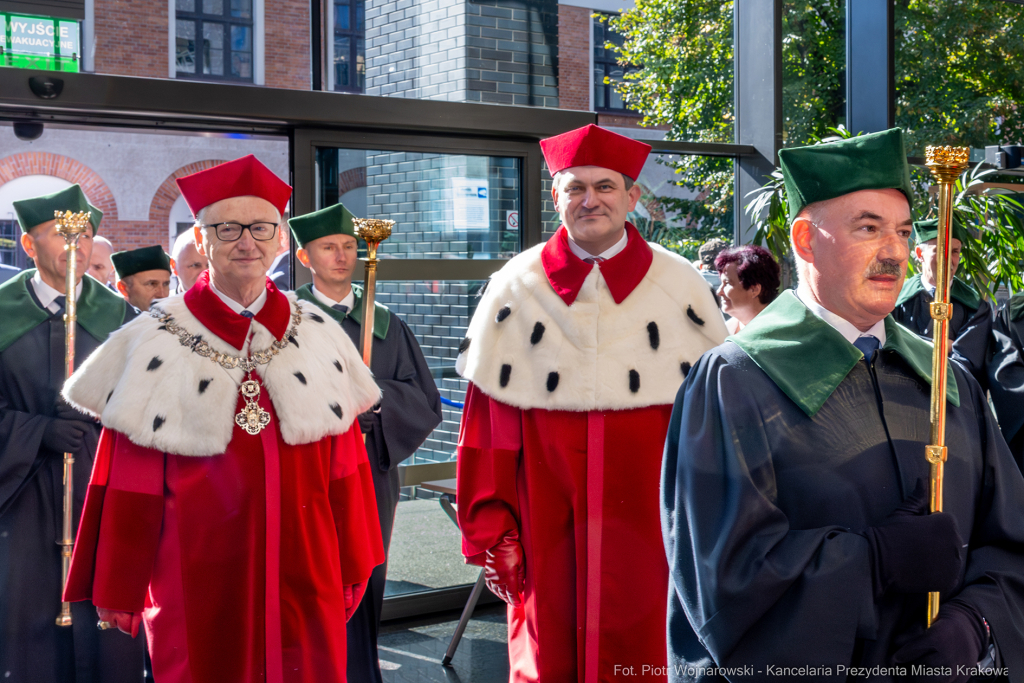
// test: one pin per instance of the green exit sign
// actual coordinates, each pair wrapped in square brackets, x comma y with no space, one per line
[40,43]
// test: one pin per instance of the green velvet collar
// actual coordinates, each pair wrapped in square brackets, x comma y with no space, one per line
[100,311]
[807,358]
[961,292]
[381,314]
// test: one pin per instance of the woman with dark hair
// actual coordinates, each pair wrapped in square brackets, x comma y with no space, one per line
[750,281]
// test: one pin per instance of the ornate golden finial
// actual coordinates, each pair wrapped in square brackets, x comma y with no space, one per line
[946,163]
[71,224]
[373,231]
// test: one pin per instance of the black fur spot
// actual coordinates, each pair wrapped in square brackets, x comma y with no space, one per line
[154,364]
[552,381]
[538,332]
[295,341]
[634,381]
[684,367]
[337,364]
[299,376]
[502,314]
[158,422]
[464,344]
[654,335]
[203,384]
[163,328]
[506,373]
[337,409]
[315,317]
[109,395]
[483,289]
[693,316]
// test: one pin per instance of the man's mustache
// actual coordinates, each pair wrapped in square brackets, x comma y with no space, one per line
[887,267]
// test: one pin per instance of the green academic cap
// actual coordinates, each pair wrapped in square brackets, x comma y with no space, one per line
[877,161]
[334,220]
[929,230]
[138,260]
[32,212]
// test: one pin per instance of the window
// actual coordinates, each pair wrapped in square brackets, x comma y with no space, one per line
[213,39]
[349,67]
[10,234]
[606,67]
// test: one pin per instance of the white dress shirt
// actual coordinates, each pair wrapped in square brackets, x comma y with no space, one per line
[47,295]
[349,300]
[253,308]
[843,326]
[606,254]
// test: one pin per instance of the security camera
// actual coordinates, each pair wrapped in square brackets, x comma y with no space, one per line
[28,130]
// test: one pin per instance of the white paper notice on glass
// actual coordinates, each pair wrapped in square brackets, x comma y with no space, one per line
[469,203]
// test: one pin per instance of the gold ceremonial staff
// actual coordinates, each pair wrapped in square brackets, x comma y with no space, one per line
[946,165]
[373,231]
[70,226]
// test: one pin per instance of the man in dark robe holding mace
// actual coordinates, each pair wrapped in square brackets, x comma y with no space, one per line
[36,428]
[410,405]
[795,479]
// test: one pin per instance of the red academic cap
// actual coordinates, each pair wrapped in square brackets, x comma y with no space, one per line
[239,178]
[595,146]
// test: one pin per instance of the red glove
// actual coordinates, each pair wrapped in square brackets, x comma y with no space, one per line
[353,596]
[126,622]
[505,571]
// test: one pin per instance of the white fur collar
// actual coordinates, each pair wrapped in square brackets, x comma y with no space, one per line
[526,348]
[144,383]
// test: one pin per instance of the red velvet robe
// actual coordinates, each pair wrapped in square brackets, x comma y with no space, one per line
[238,561]
[582,490]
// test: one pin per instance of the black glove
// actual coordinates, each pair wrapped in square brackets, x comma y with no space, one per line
[957,638]
[65,411]
[913,551]
[368,419]
[65,436]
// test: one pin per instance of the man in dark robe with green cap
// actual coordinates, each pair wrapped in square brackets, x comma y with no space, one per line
[410,406]
[36,428]
[143,275]
[970,328]
[795,484]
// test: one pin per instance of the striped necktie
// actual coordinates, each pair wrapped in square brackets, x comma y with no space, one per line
[594,259]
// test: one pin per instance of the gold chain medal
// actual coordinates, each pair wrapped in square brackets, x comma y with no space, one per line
[252,418]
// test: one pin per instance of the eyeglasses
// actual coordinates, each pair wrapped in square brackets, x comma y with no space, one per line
[231,232]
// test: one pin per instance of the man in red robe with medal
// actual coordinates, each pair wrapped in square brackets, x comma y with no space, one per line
[231,508]
[574,356]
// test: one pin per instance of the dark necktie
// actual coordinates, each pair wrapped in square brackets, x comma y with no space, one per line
[247,314]
[61,301]
[340,307]
[867,344]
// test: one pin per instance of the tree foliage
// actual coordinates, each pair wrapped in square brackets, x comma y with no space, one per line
[959,80]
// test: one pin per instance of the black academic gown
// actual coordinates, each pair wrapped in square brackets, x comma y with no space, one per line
[410,409]
[1006,373]
[32,647]
[970,328]
[763,496]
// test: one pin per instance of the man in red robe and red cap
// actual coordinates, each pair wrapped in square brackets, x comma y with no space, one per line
[574,357]
[231,508]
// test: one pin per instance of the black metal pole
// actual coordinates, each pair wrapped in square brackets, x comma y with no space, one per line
[316,49]
[870,105]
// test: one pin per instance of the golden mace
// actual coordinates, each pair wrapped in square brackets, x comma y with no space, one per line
[373,231]
[70,226]
[946,165]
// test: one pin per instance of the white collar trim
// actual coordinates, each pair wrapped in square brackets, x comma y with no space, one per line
[843,326]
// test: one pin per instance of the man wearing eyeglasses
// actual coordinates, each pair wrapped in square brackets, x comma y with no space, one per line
[232,508]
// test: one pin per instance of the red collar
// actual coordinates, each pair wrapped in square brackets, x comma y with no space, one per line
[623,272]
[233,328]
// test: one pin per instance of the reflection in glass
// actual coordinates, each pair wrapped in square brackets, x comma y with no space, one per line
[342,10]
[342,58]
[213,49]
[185,5]
[185,47]
[213,7]
[447,206]
[241,9]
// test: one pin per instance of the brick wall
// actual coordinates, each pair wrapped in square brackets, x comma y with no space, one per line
[131,38]
[512,48]
[287,39]
[574,28]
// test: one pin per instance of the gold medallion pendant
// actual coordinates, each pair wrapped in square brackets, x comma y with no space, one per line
[252,418]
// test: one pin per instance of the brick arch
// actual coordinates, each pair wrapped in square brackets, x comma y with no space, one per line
[168,192]
[351,179]
[46,163]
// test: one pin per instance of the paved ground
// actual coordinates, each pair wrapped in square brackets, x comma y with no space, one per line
[411,650]
[425,550]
